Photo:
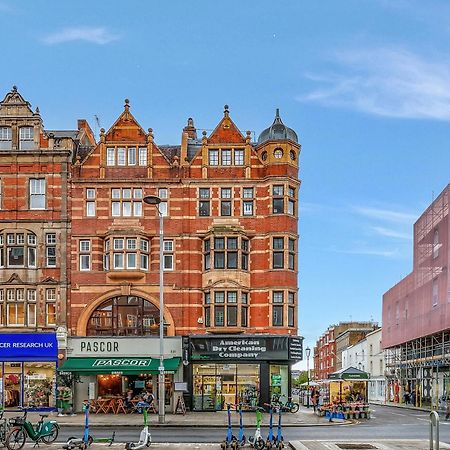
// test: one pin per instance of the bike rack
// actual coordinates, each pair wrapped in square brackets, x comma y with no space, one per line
[434,430]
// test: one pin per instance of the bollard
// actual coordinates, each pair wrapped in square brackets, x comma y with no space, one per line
[434,430]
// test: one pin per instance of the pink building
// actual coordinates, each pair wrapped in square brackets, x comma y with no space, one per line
[416,314]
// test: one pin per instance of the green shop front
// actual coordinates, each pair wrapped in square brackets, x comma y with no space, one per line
[246,369]
[104,368]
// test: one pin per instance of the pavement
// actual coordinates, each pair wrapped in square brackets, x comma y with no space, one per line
[381,444]
[304,417]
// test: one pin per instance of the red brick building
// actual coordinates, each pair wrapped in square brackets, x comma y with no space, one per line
[329,347]
[34,230]
[230,246]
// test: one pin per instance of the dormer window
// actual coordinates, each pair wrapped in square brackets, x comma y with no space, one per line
[226,156]
[26,138]
[5,138]
[126,156]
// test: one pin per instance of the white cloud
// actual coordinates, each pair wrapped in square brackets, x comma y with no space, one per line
[390,82]
[387,232]
[386,214]
[94,35]
[371,252]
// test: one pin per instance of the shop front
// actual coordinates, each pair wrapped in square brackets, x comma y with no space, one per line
[28,363]
[114,368]
[240,369]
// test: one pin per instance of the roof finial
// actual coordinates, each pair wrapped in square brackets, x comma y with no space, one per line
[14,88]
[190,122]
[127,104]
[277,114]
[226,110]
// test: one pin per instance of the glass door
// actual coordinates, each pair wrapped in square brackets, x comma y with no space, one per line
[212,393]
[12,385]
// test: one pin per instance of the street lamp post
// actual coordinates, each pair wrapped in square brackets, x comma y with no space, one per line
[155,201]
[308,354]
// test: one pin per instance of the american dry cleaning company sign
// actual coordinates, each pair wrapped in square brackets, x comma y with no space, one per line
[250,348]
[239,349]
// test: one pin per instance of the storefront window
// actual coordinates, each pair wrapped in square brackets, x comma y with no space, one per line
[39,385]
[109,385]
[215,385]
[279,380]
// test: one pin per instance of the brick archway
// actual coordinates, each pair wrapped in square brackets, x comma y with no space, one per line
[89,310]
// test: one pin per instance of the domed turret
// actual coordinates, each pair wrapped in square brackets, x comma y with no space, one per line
[278,131]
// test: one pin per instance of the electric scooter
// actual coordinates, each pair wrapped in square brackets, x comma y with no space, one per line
[270,436]
[230,440]
[145,438]
[257,441]
[84,442]
[241,440]
[279,439]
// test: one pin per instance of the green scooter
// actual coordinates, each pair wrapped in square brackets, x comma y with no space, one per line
[45,432]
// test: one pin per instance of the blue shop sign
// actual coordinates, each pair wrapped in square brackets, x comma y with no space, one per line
[28,347]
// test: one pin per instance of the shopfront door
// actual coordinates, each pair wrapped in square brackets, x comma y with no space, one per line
[12,385]
[212,393]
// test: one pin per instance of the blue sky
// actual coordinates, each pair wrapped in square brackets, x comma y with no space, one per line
[366,85]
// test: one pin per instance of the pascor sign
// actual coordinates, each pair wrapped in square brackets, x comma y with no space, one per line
[28,347]
[122,362]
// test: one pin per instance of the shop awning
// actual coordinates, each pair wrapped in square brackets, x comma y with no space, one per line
[350,373]
[121,366]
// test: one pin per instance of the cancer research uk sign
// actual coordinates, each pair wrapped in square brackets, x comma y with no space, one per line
[28,347]
[250,348]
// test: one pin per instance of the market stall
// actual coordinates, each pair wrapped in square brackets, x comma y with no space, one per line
[347,395]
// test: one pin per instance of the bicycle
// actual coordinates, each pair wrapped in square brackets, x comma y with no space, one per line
[290,405]
[45,432]
[3,428]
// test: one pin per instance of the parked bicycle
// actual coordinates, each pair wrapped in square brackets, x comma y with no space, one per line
[3,428]
[290,405]
[45,432]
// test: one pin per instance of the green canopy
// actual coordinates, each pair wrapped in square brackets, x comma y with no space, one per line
[119,366]
[350,373]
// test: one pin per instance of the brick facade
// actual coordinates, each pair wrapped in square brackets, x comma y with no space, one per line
[219,252]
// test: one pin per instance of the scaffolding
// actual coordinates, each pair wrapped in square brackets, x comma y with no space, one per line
[420,367]
[426,240]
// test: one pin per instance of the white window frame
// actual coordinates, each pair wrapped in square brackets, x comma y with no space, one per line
[131,156]
[110,156]
[121,156]
[37,191]
[26,138]
[239,157]
[143,156]
[168,255]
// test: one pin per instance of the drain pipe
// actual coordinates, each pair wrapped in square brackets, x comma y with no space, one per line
[434,430]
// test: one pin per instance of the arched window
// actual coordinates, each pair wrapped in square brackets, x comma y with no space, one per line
[125,316]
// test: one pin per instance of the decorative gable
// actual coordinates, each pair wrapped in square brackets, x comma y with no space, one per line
[226,132]
[126,128]
[15,105]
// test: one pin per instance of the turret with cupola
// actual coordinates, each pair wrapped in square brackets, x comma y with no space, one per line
[278,144]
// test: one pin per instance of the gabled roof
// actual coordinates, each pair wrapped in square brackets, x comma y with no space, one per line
[350,373]
[126,128]
[15,99]
[226,131]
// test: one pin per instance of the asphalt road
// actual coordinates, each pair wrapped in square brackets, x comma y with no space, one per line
[386,423]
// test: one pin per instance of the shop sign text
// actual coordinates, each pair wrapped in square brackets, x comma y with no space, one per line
[121,362]
[239,349]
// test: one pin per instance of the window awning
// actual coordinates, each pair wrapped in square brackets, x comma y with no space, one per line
[120,366]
